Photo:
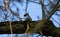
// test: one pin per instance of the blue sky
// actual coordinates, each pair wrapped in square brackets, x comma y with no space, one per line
[34,10]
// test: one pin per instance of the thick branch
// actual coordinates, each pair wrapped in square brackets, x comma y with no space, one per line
[43,12]
[46,27]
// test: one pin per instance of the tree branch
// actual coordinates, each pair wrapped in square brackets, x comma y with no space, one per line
[53,10]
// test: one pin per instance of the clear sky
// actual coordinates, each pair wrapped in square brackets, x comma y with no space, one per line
[34,10]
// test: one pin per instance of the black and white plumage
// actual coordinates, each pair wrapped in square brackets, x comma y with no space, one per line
[27,17]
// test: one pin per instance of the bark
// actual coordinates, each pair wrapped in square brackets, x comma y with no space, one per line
[19,27]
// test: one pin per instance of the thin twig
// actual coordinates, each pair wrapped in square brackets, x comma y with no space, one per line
[27,28]
[7,8]
[10,27]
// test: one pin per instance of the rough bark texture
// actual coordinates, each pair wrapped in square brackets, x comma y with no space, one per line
[19,27]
